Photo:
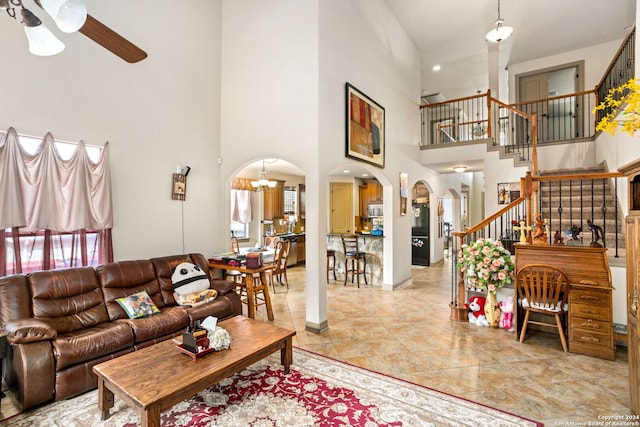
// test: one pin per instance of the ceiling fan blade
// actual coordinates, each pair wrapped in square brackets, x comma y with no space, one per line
[109,39]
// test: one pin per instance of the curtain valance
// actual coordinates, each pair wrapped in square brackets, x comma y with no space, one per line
[44,191]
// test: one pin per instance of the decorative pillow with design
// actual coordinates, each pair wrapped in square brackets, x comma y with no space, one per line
[190,285]
[138,305]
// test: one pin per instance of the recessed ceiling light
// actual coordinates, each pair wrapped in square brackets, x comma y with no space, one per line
[365,174]
[346,171]
[436,68]
[460,169]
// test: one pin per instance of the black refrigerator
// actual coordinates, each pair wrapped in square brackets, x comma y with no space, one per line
[420,254]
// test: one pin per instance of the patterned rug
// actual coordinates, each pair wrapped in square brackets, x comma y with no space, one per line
[319,391]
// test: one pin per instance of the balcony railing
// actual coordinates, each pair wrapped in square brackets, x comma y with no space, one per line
[478,118]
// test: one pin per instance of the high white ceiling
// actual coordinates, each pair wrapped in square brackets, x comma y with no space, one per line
[451,33]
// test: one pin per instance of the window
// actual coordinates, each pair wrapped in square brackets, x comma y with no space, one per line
[72,225]
[240,213]
[239,230]
[290,200]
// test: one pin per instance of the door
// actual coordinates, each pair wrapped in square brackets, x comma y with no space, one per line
[558,115]
[533,88]
[341,207]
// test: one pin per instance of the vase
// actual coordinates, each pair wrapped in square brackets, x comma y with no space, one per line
[492,309]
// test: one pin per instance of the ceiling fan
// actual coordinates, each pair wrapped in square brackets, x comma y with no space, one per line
[69,16]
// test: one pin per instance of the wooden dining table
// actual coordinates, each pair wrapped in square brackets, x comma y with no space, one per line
[250,284]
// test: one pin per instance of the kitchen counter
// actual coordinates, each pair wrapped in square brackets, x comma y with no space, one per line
[372,245]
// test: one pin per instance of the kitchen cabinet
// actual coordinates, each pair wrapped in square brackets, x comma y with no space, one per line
[369,192]
[274,201]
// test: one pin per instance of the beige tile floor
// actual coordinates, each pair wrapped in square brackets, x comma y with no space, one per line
[407,333]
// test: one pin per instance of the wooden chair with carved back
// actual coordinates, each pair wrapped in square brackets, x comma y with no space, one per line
[543,290]
[280,263]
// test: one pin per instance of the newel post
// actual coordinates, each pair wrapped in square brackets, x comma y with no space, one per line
[458,310]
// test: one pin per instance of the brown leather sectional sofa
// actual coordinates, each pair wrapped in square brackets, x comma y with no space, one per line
[60,323]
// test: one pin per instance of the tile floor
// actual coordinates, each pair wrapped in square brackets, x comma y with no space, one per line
[407,334]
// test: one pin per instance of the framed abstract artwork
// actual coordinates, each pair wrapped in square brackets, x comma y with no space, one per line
[365,138]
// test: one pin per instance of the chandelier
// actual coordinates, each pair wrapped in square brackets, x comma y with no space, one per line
[500,32]
[69,16]
[262,181]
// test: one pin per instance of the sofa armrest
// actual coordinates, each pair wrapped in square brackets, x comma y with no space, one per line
[26,331]
[223,286]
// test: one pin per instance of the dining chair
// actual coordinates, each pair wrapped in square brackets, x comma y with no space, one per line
[271,241]
[542,289]
[235,275]
[280,264]
[355,260]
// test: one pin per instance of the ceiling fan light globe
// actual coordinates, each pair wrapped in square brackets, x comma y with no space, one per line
[42,42]
[69,15]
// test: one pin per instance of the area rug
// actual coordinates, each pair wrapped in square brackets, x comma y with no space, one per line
[318,391]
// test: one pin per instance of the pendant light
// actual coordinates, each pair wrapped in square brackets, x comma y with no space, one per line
[500,32]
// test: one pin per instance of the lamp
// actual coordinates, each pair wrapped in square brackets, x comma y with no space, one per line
[262,181]
[69,16]
[42,42]
[460,169]
[500,32]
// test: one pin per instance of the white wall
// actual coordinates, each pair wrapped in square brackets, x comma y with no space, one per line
[156,114]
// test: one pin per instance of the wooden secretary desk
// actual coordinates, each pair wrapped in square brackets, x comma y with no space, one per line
[590,317]
[632,171]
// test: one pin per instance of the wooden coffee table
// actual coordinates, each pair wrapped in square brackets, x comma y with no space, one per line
[155,378]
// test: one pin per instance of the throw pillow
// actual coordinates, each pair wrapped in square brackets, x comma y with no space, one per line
[189,279]
[138,305]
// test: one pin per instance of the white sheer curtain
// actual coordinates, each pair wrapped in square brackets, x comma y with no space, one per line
[43,195]
[241,206]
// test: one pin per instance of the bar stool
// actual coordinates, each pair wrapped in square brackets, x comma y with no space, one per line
[331,263]
[352,258]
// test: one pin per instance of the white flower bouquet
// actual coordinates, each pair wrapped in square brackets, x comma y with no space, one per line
[219,338]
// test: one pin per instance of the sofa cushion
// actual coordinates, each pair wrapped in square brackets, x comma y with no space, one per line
[90,343]
[169,321]
[69,299]
[165,266]
[123,278]
[138,305]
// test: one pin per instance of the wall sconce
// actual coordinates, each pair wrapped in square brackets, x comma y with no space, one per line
[179,187]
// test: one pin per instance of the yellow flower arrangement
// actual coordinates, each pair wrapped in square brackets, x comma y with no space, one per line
[628,93]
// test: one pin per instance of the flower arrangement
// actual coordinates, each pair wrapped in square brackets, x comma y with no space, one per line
[629,94]
[486,263]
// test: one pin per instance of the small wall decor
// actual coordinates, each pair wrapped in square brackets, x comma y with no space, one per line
[508,192]
[179,188]
[404,192]
[365,139]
